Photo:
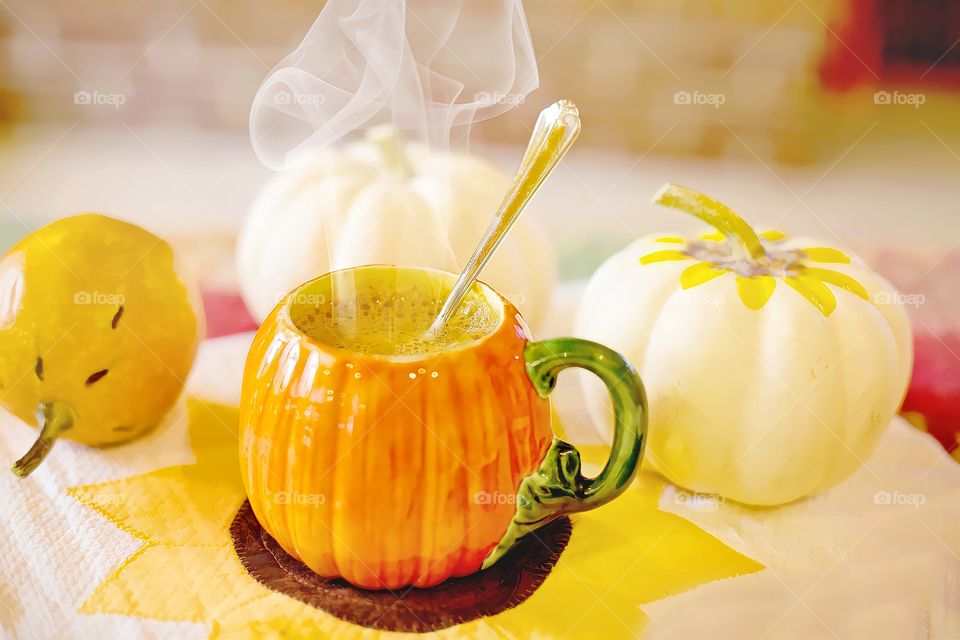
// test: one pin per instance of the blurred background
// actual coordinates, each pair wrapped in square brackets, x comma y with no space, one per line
[832,118]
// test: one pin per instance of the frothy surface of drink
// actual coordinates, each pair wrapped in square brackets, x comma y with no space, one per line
[374,313]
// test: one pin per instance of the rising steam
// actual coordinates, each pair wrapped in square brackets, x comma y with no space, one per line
[431,69]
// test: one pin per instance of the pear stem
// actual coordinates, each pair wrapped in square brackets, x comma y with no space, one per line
[54,419]
[743,239]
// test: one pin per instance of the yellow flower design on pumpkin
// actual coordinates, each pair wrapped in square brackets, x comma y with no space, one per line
[756,260]
[619,557]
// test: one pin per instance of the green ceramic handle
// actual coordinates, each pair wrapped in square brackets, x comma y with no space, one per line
[557,487]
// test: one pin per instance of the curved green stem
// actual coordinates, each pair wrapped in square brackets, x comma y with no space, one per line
[741,236]
[391,148]
[54,419]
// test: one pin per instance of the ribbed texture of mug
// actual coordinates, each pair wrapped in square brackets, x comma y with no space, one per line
[382,472]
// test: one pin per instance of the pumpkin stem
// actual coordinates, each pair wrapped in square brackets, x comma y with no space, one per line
[54,418]
[391,148]
[743,239]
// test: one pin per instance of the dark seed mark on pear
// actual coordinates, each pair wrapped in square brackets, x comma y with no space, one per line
[116,318]
[38,368]
[96,377]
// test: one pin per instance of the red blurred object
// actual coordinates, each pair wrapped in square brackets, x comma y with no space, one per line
[893,43]
[935,387]
[852,48]
[226,314]
[927,279]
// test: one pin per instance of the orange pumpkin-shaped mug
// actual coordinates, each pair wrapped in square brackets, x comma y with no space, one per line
[387,462]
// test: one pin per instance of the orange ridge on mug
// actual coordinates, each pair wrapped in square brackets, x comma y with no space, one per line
[399,470]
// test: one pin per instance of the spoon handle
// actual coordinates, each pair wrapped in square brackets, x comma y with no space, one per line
[557,127]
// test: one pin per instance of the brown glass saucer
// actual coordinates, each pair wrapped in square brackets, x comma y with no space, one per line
[503,586]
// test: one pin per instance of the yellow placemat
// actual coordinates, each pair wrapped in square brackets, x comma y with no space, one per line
[619,557]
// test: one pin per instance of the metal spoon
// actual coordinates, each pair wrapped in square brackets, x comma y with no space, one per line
[557,127]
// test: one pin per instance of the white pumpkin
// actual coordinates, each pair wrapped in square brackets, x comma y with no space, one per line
[380,202]
[772,365]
